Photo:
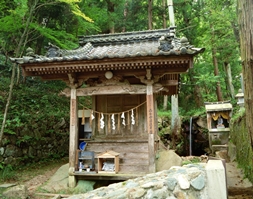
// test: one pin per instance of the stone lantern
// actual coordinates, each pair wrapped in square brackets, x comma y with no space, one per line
[240,98]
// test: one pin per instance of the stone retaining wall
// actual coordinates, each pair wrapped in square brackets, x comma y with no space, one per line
[193,181]
[46,139]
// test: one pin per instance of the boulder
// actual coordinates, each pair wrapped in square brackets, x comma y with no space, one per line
[166,159]
[19,191]
[59,181]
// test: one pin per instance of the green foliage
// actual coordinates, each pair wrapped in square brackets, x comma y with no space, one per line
[192,112]
[34,113]
[24,139]
[83,186]
[212,25]
[162,113]
[58,37]
[6,172]
[194,160]
[76,9]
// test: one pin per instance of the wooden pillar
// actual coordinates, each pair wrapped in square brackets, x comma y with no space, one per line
[151,127]
[174,112]
[73,136]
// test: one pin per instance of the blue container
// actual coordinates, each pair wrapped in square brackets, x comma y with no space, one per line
[82,146]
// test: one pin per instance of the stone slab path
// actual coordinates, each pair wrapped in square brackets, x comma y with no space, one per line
[238,185]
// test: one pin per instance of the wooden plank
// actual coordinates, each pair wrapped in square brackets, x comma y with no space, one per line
[130,155]
[118,147]
[134,161]
[140,169]
[133,157]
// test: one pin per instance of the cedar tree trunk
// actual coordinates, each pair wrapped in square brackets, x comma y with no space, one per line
[245,20]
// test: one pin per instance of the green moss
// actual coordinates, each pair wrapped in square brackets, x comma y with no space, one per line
[241,139]
[216,142]
[194,160]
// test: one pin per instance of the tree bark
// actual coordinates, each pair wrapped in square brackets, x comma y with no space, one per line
[165,97]
[150,8]
[164,14]
[216,73]
[110,8]
[125,17]
[229,80]
[245,20]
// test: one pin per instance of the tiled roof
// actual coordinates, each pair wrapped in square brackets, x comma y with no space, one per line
[120,45]
[123,38]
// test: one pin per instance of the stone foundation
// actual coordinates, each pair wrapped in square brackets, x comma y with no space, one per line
[192,181]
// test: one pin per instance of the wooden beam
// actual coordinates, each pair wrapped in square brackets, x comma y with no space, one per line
[118,62]
[111,89]
[50,73]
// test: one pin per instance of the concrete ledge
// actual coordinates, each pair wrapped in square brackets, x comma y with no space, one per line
[216,180]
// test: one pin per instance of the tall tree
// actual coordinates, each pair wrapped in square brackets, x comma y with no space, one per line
[17,27]
[210,24]
[110,8]
[245,20]
[150,14]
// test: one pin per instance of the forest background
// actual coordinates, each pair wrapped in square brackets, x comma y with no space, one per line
[216,75]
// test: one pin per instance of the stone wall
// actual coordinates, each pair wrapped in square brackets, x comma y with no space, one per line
[46,139]
[193,181]
[240,146]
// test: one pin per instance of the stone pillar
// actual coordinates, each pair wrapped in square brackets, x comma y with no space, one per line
[216,179]
[73,136]
[151,127]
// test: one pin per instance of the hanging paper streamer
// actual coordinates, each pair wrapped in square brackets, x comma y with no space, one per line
[113,122]
[132,117]
[102,123]
[123,119]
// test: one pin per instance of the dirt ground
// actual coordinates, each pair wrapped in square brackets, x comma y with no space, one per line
[33,183]
[35,175]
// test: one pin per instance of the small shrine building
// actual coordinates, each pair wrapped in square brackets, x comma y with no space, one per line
[123,73]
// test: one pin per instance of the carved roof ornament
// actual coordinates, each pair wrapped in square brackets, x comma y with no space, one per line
[166,42]
[53,51]
[30,52]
